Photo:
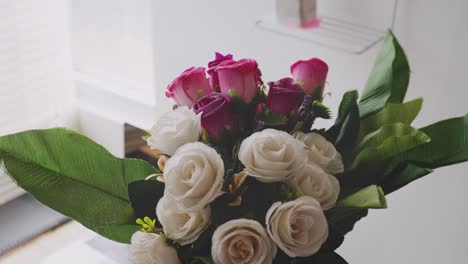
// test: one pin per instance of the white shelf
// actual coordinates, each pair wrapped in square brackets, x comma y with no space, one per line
[333,33]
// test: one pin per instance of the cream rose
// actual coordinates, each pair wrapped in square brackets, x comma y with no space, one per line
[321,152]
[174,129]
[150,248]
[272,155]
[193,176]
[182,227]
[242,241]
[313,181]
[298,227]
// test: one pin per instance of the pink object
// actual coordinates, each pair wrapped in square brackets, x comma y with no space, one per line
[284,97]
[314,23]
[212,65]
[216,114]
[190,86]
[310,74]
[239,78]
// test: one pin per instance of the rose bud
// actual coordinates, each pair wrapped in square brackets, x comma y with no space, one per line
[216,114]
[190,86]
[212,65]
[284,97]
[310,74]
[239,78]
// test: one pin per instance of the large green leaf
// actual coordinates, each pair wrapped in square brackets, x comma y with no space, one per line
[379,147]
[388,80]
[401,178]
[348,102]
[449,144]
[344,132]
[75,176]
[390,114]
[369,197]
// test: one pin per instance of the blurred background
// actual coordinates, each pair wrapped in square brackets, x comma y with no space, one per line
[101,67]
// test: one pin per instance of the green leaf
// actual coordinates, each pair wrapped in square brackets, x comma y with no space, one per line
[388,80]
[348,102]
[386,132]
[322,257]
[201,260]
[321,111]
[399,179]
[343,219]
[449,144]
[345,131]
[144,196]
[392,113]
[127,216]
[271,119]
[379,147]
[370,197]
[75,176]
[335,239]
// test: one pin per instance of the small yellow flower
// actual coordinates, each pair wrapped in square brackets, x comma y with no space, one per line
[147,225]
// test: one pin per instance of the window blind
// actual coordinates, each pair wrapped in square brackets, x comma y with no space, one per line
[35,85]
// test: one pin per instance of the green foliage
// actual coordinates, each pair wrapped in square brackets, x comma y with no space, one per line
[408,174]
[75,176]
[369,197]
[379,147]
[388,80]
[342,220]
[449,144]
[352,208]
[271,119]
[347,104]
[392,113]
[322,257]
[321,111]
[201,260]
[144,196]
[345,131]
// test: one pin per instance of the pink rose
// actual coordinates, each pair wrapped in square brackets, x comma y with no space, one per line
[239,78]
[284,97]
[310,74]
[212,65]
[216,115]
[190,86]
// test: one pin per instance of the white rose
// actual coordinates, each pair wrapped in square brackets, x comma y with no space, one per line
[242,241]
[150,248]
[313,181]
[298,227]
[193,176]
[272,155]
[321,152]
[174,129]
[182,227]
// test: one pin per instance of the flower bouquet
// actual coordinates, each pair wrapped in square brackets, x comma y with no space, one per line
[244,175]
